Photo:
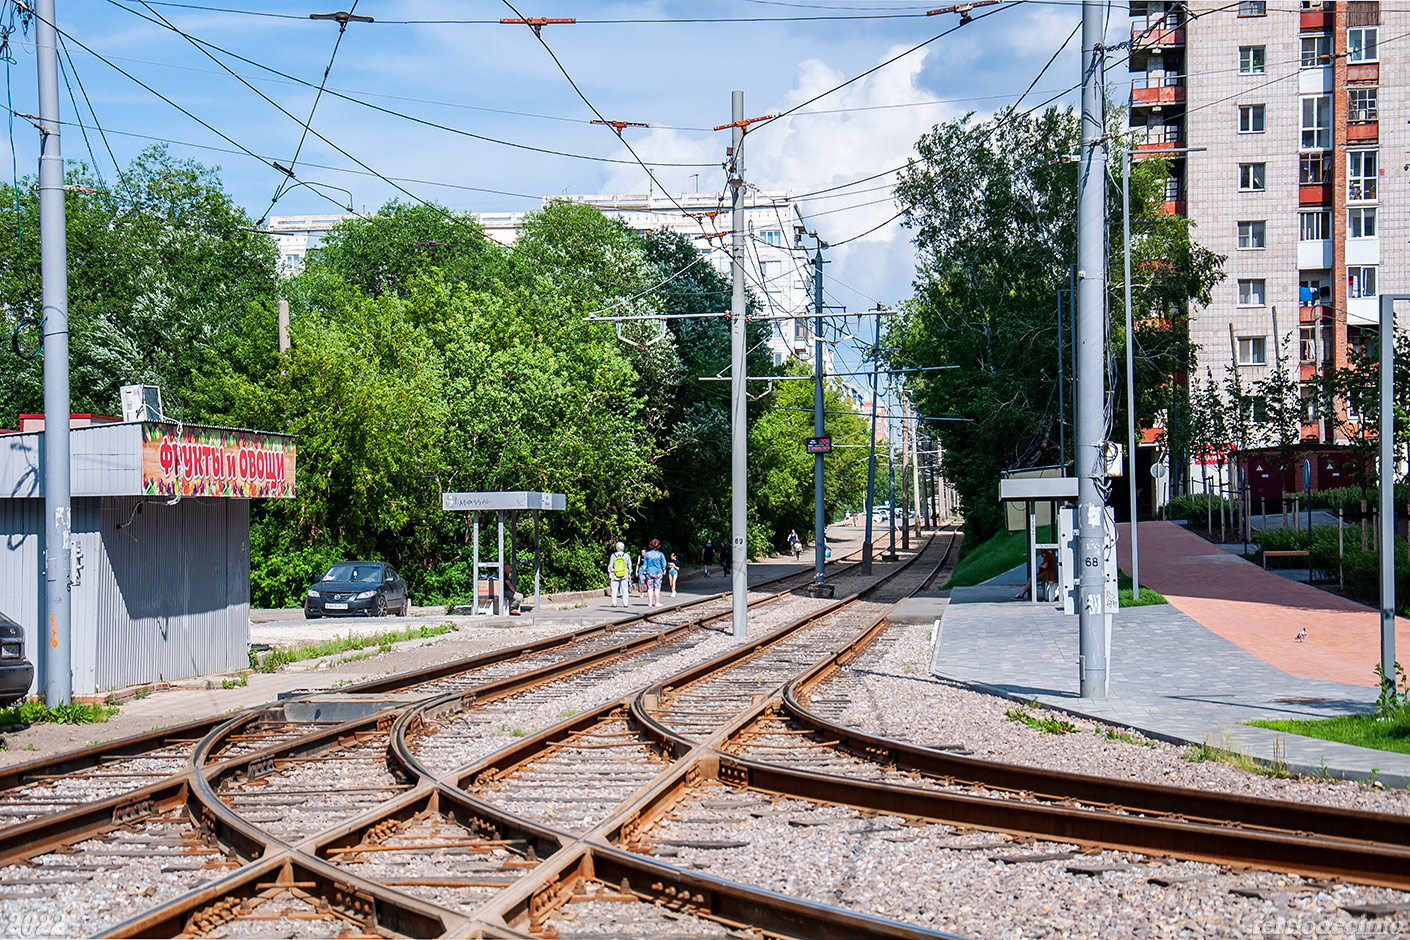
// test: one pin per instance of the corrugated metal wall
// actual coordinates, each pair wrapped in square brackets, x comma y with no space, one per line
[21,577]
[171,596]
[164,592]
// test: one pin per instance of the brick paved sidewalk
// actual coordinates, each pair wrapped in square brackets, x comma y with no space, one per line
[1260,611]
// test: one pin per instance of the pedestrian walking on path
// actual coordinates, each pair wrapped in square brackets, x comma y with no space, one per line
[708,556]
[619,573]
[641,572]
[794,545]
[653,569]
[673,571]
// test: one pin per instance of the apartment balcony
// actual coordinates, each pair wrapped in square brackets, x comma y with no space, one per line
[1174,207]
[1315,313]
[1315,194]
[1158,36]
[1161,148]
[1363,132]
[1317,20]
[1157,90]
[1363,72]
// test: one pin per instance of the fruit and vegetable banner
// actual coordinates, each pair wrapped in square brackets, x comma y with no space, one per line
[216,462]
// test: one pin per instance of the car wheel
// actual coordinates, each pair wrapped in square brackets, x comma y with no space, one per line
[406,606]
[379,609]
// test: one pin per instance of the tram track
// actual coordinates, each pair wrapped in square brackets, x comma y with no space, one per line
[681,807]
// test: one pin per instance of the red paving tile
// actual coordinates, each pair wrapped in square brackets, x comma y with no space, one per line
[1261,611]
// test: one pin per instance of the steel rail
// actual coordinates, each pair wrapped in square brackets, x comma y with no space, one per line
[1133,796]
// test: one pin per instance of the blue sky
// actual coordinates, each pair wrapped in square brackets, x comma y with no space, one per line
[498,81]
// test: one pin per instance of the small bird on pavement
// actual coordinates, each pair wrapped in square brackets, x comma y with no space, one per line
[1301,635]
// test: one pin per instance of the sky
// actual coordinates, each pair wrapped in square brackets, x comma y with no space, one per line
[426,62]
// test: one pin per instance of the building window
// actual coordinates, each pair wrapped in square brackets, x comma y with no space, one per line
[1360,223]
[1307,344]
[1314,169]
[1316,51]
[1310,409]
[1317,122]
[1251,292]
[1361,282]
[1361,105]
[1361,174]
[1361,44]
[769,273]
[1253,7]
[1250,119]
[1251,177]
[1253,350]
[1251,60]
[1314,226]
[771,236]
[1253,234]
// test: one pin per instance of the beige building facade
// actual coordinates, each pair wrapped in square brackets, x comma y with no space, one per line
[1295,119]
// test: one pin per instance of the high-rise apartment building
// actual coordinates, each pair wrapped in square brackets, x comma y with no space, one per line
[1295,114]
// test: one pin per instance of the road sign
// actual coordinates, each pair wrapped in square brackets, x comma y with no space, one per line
[819,445]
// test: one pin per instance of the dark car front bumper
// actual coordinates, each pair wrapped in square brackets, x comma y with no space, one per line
[15,679]
[327,607]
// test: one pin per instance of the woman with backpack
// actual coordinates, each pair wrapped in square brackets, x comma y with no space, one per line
[619,573]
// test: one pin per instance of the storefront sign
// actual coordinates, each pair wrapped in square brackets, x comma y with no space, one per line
[216,462]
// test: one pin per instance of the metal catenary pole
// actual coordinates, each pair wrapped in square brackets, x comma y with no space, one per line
[915,478]
[871,455]
[905,459]
[1130,366]
[1387,486]
[53,253]
[739,431]
[819,513]
[1091,378]
[890,477]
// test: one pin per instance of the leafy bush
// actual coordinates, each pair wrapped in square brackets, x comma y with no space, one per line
[1195,507]
[75,713]
[1360,569]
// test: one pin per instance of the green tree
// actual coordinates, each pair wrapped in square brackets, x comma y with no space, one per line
[993,208]
[161,264]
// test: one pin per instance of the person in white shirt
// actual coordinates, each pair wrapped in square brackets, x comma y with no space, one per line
[619,573]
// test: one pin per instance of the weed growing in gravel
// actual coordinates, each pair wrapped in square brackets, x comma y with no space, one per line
[1111,734]
[143,692]
[239,682]
[1049,724]
[910,669]
[383,641]
[33,713]
[518,732]
[567,713]
[1373,782]
[1206,752]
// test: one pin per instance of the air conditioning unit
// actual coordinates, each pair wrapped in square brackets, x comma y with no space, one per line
[141,403]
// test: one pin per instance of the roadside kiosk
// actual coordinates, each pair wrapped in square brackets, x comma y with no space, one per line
[513,502]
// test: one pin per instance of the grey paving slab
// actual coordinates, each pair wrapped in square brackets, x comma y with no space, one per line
[1170,678]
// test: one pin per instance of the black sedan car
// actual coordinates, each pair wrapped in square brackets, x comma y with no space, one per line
[16,672]
[357,589]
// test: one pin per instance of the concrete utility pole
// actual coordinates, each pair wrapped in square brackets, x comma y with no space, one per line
[1091,361]
[871,454]
[739,416]
[819,514]
[53,265]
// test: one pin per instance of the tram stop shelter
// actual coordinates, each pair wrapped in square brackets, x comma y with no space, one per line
[160,548]
[512,502]
[1031,499]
